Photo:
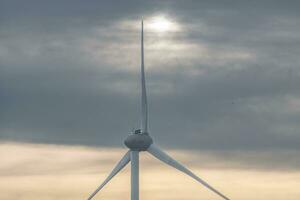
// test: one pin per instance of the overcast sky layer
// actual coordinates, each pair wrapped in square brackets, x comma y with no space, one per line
[226,79]
[223,90]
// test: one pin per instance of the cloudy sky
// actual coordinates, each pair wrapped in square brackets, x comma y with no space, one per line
[223,85]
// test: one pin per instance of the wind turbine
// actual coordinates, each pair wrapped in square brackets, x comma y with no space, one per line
[140,140]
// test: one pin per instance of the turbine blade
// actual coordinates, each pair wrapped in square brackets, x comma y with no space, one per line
[160,155]
[144,121]
[121,164]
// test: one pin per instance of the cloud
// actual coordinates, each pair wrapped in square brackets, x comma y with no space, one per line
[227,80]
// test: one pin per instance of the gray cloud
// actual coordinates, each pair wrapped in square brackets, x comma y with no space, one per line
[228,80]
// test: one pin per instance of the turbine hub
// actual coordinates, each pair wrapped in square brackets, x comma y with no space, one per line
[138,141]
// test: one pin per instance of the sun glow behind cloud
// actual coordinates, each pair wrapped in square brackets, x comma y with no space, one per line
[44,172]
[163,35]
[162,24]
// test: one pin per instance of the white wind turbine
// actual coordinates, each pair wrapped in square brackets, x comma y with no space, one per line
[140,140]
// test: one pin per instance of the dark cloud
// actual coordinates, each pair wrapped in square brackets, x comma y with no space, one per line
[227,80]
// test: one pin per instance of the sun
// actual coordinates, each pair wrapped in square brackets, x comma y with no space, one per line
[162,24]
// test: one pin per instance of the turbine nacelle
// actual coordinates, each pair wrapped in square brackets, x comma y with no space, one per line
[138,141]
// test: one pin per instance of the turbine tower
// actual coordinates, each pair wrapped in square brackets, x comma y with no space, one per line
[140,140]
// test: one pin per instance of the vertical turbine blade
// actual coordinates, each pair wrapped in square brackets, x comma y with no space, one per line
[144,121]
[134,157]
[121,164]
[160,155]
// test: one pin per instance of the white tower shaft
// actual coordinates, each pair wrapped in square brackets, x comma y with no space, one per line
[134,157]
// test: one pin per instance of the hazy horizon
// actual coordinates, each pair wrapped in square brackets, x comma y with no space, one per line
[40,171]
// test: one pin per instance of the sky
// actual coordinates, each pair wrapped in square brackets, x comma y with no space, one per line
[223,89]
